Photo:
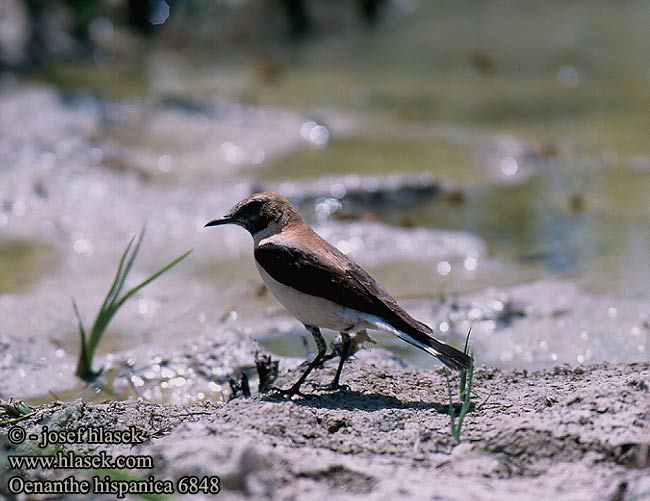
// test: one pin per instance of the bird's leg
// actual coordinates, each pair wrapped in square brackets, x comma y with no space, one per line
[322,348]
[345,352]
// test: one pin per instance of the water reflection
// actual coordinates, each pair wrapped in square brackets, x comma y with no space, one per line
[604,247]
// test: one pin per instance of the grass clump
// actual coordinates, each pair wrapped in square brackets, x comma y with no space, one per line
[112,303]
[465,394]
[15,408]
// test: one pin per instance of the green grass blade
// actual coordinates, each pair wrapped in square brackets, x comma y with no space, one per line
[104,316]
[112,303]
[22,408]
[452,412]
[15,408]
[465,350]
[108,308]
[463,374]
[466,381]
[468,397]
[76,313]
[114,290]
[129,262]
[462,385]
[83,365]
[100,321]
[152,278]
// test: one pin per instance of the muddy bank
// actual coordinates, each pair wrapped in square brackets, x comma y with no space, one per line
[161,337]
[558,434]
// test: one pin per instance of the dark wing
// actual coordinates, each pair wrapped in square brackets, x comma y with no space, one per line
[315,274]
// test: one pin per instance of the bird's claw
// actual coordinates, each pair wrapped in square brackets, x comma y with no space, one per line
[331,387]
[289,393]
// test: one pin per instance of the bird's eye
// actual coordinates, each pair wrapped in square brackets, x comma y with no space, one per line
[252,207]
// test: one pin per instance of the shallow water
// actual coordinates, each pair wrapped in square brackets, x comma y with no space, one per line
[23,262]
[602,242]
[378,155]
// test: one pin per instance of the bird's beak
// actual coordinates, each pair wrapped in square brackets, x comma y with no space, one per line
[220,221]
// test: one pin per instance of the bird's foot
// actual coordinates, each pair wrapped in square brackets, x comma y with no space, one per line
[333,386]
[321,363]
[290,392]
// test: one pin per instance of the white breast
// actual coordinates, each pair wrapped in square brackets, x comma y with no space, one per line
[313,310]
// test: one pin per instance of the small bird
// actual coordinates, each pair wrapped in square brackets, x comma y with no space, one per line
[322,287]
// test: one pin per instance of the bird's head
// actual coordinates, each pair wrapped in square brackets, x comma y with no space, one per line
[260,212]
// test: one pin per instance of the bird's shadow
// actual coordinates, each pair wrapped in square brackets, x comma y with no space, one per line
[356,400]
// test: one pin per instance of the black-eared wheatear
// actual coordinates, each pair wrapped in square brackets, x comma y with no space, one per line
[322,287]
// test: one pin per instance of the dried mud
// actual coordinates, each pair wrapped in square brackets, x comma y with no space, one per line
[561,434]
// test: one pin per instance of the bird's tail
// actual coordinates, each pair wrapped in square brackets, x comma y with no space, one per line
[451,357]
[448,355]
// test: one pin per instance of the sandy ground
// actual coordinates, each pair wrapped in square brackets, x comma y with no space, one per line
[561,434]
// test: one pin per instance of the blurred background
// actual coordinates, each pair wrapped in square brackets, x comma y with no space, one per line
[487,161]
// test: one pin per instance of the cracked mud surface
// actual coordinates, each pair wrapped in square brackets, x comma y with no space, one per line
[562,434]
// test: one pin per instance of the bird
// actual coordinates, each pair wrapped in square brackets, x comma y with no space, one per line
[323,288]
